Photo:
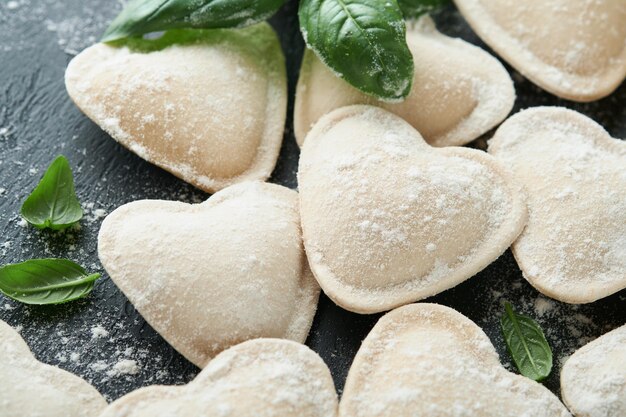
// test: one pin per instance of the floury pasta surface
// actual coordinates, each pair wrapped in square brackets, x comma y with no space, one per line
[388,219]
[209,106]
[258,378]
[593,379]
[30,388]
[574,246]
[575,49]
[208,276]
[427,359]
[459,90]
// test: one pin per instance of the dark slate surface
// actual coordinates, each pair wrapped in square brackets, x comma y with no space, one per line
[38,121]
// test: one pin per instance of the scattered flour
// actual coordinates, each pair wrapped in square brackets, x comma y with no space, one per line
[124,367]
[92,214]
[98,332]
[99,366]
[543,305]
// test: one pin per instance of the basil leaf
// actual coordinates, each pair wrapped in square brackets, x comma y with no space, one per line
[45,281]
[526,344]
[363,42]
[145,16]
[413,9]
[53,203]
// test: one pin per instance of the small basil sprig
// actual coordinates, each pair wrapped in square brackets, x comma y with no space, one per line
[53,203]
[45,281]
[527,344]
[362,41]
[413,9]
[144,16]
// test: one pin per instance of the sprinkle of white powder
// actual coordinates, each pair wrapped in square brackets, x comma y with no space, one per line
[98,332]
[99,213]
[543,306]
[124,367]
[99,366]
[572,180]
[93,214]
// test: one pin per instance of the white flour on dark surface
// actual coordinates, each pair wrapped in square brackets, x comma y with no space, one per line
[38,122]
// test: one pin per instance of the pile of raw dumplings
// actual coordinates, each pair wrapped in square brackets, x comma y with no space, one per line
[390,210]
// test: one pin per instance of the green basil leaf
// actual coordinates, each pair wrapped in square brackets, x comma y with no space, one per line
[145,16]
[53,203]
[413,9]
[363,42]
[45,281]
[526,344]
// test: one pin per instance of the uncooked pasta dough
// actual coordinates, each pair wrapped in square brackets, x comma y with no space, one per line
[258,378]
[593,379]
[459,91]
[574,247]
[208,276]
[29,388]
[207,105]
[388,219]
[429,360]
[575,49]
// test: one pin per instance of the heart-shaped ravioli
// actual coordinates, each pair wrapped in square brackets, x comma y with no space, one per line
[575,49]
[388,219]
[211,275]
[207,105]
[574,247]
[29,388]
[258,378]
[459,90]
[593,379]
[429,360]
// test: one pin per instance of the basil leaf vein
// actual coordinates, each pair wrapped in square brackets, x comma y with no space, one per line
[363,42]
[527,344]
[46,281]
[53,203]
[144,16]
